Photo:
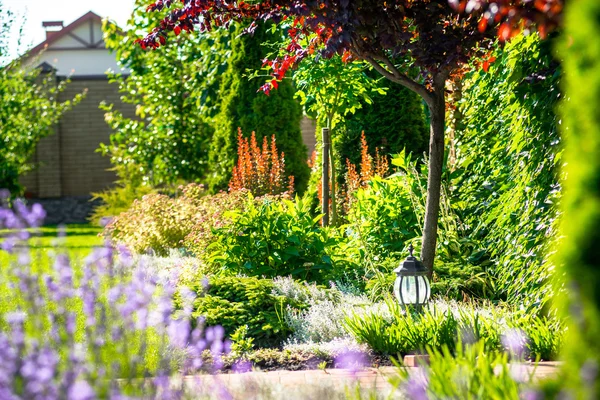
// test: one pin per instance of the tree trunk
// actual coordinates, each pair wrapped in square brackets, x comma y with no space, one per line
[334,198]
[434,179]
[325,177]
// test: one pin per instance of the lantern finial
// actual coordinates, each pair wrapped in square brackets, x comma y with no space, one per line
[410,249]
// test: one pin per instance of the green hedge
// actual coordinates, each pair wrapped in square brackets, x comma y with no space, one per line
[244,106]
[579,253]
[393,122]
[505,187]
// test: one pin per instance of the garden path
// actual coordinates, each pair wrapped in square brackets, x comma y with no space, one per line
[316,384]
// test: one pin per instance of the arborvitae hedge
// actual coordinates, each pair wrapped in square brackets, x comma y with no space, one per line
[244,106]
[393,122]
[579,253]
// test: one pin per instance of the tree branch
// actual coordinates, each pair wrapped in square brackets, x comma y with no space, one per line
[393,74]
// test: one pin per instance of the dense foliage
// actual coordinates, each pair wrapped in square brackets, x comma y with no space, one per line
[415,44]
[579,255]
[506,186]
[157,222]
[242,107]
[174,97]
[402,332]
[276,238]
[394,122]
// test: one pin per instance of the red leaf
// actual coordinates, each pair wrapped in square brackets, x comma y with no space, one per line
[486,66]
[482,25]
[177,30]
[274,83]
[542,31]
[346,56]
[504,31]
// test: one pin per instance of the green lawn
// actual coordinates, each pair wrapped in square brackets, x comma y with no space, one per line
[79,241]
[44,244]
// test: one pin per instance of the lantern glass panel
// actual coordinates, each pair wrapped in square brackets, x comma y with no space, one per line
[412,289]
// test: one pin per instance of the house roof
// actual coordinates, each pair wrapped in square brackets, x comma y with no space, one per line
[65,31]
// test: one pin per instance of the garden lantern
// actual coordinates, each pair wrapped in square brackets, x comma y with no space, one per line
[412,285]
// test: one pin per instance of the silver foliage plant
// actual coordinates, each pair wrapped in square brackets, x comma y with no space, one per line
[323,320]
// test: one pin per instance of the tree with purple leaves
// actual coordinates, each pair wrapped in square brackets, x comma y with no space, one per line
[417,44]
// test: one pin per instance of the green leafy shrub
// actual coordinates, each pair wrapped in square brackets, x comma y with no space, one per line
[241,344]
[275,238]
[211,212]
[236,301]
[158,222]
[443,325]
[116,200]
[382,218]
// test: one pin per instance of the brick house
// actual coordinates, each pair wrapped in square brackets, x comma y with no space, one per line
[69,168]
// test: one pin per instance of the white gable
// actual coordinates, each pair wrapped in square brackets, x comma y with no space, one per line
[79,52]
[88,35]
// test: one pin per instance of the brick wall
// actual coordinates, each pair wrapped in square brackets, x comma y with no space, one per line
[308,127]
[68,162]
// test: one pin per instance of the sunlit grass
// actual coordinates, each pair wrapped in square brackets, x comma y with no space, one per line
[78,242]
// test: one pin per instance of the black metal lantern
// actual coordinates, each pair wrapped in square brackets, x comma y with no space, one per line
[412,285]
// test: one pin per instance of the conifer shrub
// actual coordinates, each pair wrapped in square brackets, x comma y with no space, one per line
[236,301]
[393,122]
[243,107]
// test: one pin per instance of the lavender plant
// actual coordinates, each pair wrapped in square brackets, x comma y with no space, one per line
[106,329]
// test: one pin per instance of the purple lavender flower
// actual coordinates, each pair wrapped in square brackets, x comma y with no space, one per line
[24,258]
[531,394]
[241,366]
[514,340]
[125,257]
[104,221]
[351,360]
[36,216]
[81,390]
[187,297]
[178,331]
[8,244]
[415,387]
